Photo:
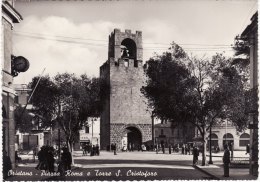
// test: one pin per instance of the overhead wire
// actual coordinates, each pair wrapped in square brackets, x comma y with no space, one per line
[200,47]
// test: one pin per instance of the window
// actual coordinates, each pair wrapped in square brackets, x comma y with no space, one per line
[244,140]
[86,129]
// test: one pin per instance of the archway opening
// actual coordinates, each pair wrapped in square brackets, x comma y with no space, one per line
[128,49]
[228,139]
[134,137]
[244,140]
[214,141]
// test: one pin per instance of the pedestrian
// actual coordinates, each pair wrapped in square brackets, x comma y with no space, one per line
[35,152]
[247,149]
[129,147]
[132,147]
[39,159]
[189,148]
[50,159]
[163,148]
[83,150]
[182,149]
[226,161]
[231,150]
[66,159]
[195,155]
[92,150]
[115,149]
[186,149]
[97,149]
[157,148]
[170,149]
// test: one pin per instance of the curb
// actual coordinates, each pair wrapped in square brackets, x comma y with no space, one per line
[204,171]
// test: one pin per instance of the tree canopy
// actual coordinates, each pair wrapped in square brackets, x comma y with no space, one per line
[67,100]
[182,88]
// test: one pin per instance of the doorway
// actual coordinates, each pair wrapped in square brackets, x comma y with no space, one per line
[134,137]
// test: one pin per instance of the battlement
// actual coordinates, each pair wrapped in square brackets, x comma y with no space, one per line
[125,45]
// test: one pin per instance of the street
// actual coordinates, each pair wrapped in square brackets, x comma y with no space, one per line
[123,166]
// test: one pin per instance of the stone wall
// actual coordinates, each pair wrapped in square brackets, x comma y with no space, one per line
[125,105]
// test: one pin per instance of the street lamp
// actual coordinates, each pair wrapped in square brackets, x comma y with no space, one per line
[210,144]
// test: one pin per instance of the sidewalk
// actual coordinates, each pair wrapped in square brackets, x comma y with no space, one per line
[217,172]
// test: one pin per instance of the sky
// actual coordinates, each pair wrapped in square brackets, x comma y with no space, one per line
[72,36]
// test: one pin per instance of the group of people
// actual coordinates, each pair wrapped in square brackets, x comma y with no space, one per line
[90,149]
[185,149]
[46,158]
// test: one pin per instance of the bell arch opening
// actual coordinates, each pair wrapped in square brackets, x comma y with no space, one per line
[128,49]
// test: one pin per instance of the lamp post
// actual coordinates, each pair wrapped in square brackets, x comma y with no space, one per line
[153,129]
[59,143]
[210,144]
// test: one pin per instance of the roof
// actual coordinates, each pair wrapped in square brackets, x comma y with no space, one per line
[10,11]
[252,27]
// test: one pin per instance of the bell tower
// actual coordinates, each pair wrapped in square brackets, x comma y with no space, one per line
[125,119]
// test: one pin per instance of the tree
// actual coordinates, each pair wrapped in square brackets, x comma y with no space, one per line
[68,101]
[45,100]
[23,120]
[201,91]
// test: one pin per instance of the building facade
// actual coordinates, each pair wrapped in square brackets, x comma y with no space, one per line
[9,17]
[250,34]
[227,133]
[35,137]
[125,118]
[174,134]
[90,132]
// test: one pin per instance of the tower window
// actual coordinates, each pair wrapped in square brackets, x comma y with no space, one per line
[126,63]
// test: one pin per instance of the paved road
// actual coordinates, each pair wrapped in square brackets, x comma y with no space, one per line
[124,166]
[132,166]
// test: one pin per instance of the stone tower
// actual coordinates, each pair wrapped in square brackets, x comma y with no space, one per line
[125,119]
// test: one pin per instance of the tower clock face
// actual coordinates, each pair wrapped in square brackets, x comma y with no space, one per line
[21,64]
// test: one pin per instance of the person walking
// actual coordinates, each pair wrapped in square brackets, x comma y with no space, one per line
[115,149]
[226,161]
[50,159]
[66,159]
[132,146]
[129,147]
[157,148]
[195,155]
[170,149]
[247,149]
[163,148]
[97,150]
[83,150]
[231,150]
[186,149]
[182,149]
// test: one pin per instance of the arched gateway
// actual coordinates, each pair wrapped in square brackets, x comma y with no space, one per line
[124,117]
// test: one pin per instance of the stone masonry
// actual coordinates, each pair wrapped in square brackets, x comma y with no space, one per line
[125,106]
